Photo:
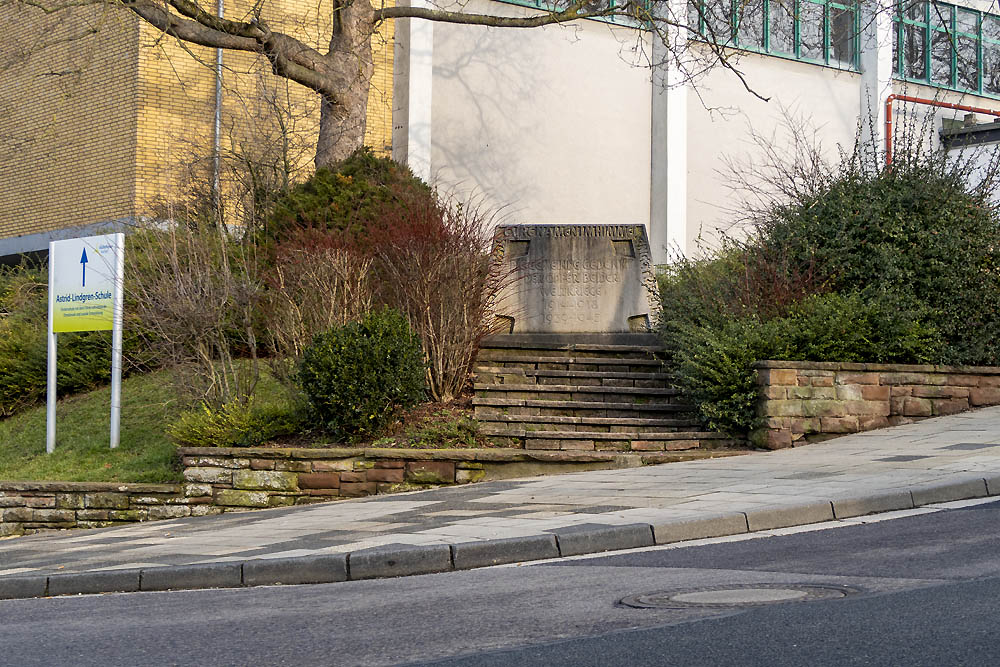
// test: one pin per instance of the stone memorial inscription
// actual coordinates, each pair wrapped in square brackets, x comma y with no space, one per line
[575,278]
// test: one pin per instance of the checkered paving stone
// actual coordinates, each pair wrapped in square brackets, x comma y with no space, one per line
[933,450]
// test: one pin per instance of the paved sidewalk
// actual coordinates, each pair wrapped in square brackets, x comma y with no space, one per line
[936,460]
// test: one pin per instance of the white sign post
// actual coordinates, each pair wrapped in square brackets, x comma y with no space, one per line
[86,278]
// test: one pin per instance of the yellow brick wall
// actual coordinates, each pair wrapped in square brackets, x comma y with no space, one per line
[67,118]
[266,120]
[120,123]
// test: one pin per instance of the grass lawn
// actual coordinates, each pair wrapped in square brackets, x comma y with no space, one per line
[146,454]
[82,437]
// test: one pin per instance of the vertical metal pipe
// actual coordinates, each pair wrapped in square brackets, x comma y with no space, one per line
[217,138]
[116,341]
[50,400]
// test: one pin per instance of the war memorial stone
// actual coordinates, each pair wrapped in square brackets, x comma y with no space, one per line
[574,278]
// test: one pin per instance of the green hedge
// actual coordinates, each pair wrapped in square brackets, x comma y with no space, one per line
[356,376]
[715,363]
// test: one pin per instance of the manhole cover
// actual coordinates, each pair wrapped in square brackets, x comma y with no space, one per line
[738,595]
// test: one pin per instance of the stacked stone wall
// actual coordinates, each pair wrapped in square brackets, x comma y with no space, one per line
[220,480]
[27,507]
[278,477]
[808,401]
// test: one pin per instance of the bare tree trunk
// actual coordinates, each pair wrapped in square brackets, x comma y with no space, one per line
[342,126]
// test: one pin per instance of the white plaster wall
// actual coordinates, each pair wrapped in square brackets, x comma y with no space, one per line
[551,123]
[722,112]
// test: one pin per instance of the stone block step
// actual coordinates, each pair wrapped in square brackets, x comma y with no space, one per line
[538,357]
[558,422]
[485,406]
[640,392]
[510,431]
[552,376]
[573,441]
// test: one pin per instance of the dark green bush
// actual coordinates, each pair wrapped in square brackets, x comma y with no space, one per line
[915,231]
[357,375]
[860,263]
[715,363]
[347,197]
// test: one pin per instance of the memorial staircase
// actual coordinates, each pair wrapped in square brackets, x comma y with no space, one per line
[589,392]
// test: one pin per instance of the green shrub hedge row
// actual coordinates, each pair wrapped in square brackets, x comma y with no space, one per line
[896,265]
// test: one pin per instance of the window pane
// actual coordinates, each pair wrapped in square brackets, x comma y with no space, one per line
[842,36]
[991,28]
[915,10]
[967,22]
[991,68]
[811,30]
[751,27]
[782,14]
[718,16]
[968,63]
[941,45]
[914,52]
[895,47]
[694,15]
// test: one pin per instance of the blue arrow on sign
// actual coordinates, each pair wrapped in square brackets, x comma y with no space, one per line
[83,261]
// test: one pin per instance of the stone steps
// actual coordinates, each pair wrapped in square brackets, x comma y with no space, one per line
[501,375]
[626,441]
[601,392]
[578,393]
[590,424]
[529,406]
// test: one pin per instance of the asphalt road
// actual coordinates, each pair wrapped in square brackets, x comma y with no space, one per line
[920,590]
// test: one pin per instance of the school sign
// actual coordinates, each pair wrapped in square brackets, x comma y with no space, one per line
[85,294]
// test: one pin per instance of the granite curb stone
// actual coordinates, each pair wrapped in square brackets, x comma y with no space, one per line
[767,518]
[101,581]
[12,588]
[183,577]
[469,555]
[322,569]
[943,492]
[845,508]
[700,528]
[398,561]
[992,486]
[606,538]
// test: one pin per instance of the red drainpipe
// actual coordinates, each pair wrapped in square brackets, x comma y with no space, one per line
[920,100]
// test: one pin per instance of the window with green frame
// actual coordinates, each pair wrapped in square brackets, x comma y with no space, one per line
[818,31]
[947,46]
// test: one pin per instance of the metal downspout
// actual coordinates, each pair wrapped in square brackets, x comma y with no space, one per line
[217,136]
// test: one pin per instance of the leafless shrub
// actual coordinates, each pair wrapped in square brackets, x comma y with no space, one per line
[432,258]
[198,294]
[313,286]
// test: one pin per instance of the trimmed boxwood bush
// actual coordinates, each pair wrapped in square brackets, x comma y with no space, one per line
[356,376]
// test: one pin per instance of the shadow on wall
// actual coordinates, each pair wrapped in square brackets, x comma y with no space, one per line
[531,120]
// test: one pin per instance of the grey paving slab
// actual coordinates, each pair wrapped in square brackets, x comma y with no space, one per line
[932,461]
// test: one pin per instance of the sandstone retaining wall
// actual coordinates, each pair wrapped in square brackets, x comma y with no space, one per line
[220,480]
[808,401]
[27,507]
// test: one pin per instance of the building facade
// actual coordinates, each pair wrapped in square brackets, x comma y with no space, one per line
[106,121]
[568,123]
